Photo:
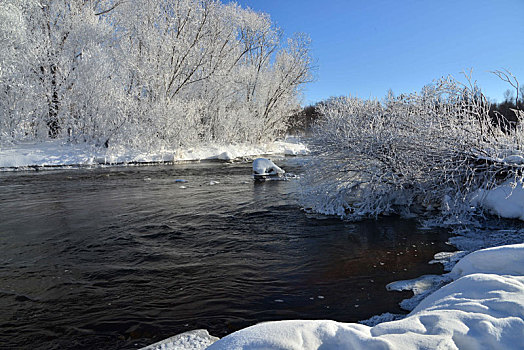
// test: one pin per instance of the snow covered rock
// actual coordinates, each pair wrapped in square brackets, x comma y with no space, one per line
[263,167]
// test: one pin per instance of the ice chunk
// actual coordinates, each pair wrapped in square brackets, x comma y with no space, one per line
[227,155]
[194,340]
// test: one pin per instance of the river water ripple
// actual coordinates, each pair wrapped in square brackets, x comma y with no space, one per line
[121,257]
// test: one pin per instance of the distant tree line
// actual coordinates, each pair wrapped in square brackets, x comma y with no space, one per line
[505,111]
[305,118]
[505,114]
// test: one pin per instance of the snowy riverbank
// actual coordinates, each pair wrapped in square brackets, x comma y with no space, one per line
[58,153]
[482,308]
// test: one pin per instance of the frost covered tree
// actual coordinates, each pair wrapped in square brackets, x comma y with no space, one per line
[60,49]
[172,52]
[203,71]
[15,95]
[146,73]
[416,152]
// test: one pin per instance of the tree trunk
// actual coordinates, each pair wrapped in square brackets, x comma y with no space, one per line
[54,104]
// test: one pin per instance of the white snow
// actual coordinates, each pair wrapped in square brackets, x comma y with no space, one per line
[59,153]
[195,340]
[508,259]
[483,308]
[263,166]
[506,200]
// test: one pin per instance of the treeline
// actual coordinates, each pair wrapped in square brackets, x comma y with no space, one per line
[146,73]
[505,114]
[505,111]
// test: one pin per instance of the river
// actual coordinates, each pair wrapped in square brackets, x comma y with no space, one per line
[121,257]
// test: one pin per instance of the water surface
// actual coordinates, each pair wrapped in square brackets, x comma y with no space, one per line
[122,257]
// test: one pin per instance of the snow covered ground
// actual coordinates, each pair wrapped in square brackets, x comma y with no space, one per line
[57,153]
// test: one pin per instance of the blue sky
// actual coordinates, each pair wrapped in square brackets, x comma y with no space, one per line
[363,48]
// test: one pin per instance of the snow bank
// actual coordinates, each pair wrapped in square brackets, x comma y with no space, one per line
[58,153]
[508,260]
[483,308]
[506,200]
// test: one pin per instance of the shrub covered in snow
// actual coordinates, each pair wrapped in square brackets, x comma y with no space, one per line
[430,151]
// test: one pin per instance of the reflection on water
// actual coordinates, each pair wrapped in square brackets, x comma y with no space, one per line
[124,257]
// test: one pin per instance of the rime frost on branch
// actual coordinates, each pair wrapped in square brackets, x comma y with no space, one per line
[145,73]
[411,153]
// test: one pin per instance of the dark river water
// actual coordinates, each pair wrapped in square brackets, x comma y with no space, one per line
[121,257]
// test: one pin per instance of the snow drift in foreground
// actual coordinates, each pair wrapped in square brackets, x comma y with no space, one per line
[57,153]
[483,308]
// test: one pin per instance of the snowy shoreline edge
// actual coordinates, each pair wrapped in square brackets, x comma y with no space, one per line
[58,154]
[482,308]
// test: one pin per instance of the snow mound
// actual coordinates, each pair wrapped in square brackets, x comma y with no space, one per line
[507,260]
[265,167]
[192,340]
[506,200]
[483,308]
[291,146]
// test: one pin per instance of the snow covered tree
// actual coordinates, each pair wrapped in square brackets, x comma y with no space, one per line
[428,151]
[206,70]
[146,73]
[59,48]
[15,96]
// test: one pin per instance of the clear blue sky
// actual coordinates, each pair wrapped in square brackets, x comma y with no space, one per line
[365,47]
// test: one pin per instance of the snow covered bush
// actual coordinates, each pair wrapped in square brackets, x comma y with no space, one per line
[411,153]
